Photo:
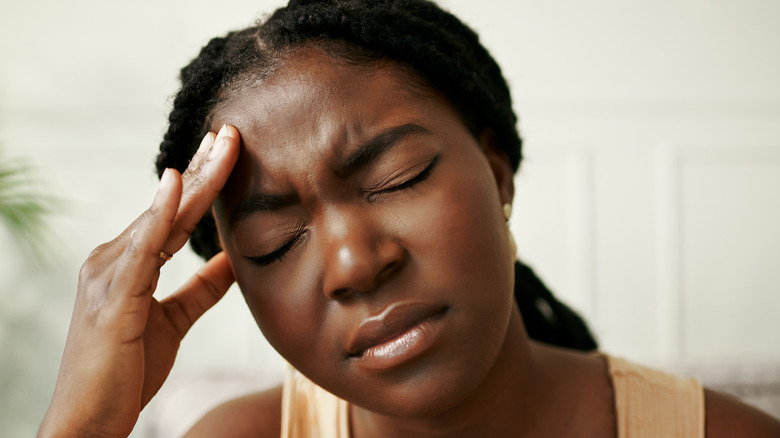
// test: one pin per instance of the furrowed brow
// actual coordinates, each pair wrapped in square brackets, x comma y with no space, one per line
[259,202]
[378,145]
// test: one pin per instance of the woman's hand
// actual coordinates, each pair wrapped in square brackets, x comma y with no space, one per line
[122,342]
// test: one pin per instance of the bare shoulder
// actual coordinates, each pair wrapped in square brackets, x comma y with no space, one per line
[728,417]
[253,415]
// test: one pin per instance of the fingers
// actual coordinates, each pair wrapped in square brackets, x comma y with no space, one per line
[204,178]
[199,294]
[128,267]
[138,265]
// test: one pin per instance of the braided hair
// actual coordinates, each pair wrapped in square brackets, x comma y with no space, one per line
[416,35]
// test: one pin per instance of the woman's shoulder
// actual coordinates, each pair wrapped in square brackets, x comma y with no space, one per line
[725,416]
[254,415]
[678,401]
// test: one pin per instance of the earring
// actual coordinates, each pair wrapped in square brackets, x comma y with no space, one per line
[507,214]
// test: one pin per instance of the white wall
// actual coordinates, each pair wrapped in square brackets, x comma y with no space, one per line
[649,199]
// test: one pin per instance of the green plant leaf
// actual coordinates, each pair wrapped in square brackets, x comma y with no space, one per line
[23,209]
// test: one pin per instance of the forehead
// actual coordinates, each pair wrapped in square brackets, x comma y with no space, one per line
[299,125]
[315,105]
[310,87]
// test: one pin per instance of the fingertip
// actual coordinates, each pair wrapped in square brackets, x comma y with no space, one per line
[233,144]
[165,179]
[223,131]
[207,141]
[231,131]
[206,144]
[227,139]
[221,259]
[169,180]
[218,257]
[165,185]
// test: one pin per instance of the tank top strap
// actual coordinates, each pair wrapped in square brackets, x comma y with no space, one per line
[650,403]
[309,411]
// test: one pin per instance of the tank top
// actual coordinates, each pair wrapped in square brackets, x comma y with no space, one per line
[648,403]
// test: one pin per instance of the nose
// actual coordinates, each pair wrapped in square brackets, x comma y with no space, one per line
[359,256]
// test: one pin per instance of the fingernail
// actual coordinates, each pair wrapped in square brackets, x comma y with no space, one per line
[220,143]
[206,143]
[166,180]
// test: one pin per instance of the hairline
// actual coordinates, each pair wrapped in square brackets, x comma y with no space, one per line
[342,52]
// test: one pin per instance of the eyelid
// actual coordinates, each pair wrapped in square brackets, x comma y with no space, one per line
[410,182]
[278,253]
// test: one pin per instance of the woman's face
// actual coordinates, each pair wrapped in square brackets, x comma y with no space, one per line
[364,225]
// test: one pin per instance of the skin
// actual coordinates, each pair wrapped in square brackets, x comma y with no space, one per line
[367,245]
[122,341]
[366,240]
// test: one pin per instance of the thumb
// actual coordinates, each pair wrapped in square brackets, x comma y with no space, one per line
[200,293]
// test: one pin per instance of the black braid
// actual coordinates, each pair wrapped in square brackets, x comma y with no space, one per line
[417,35]
[546,319]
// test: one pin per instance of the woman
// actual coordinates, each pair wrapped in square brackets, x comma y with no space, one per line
[358,191]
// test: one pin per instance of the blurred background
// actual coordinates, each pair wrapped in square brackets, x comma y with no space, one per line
[649,199]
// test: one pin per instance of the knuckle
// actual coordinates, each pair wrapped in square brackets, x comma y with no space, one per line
[89,269]
[188,228]
[152,211]
[194,178]
[87,272]
[198,184]
[98,251]
[92,289]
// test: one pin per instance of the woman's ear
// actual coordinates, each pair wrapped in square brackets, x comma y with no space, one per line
[499,164]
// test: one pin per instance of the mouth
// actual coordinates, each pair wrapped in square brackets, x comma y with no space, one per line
[397,334]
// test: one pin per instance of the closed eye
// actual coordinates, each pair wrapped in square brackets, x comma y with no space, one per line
[279,253]
[419,177]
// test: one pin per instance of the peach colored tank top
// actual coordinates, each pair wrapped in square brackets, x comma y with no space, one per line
[652,403]
[648,403]
[309,411]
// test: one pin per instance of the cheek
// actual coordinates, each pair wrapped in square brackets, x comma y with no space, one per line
[284,309]
[463,226]
[462,245]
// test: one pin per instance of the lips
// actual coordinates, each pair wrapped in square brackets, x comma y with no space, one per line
[400,332]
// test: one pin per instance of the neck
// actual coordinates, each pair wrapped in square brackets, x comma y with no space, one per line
[505,403]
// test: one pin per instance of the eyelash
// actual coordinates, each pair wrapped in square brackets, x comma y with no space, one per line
[279,253]
[420,177]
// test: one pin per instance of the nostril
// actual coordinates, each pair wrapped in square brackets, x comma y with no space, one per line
[387,271]
[358,269]
[342,293]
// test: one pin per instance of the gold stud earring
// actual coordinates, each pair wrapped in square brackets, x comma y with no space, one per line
[507,214]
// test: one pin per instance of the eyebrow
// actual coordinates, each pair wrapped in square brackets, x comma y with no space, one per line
[257,202]
[365,154]
[375,147]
